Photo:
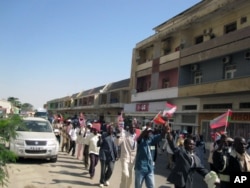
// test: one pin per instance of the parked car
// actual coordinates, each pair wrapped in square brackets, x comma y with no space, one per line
[43,114]
[35,139]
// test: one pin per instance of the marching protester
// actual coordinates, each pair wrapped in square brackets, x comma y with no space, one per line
[57,127]
[200,149]
[108,154]
[80,133]
[65,137]
[86,135]
[227,162]
[144,162]
[128,146]
[93,151]
[73,137]
[187,163]
[170,155]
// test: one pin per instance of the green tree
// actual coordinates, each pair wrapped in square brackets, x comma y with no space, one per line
[7,130]
[26,107]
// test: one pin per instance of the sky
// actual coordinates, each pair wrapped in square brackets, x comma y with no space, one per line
[50,49]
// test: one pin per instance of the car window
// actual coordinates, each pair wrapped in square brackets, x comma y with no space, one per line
[35,126]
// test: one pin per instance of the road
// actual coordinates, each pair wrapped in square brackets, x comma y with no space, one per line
[69,172]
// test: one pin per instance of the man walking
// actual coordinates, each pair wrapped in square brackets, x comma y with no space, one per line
[128,145]
[108,155]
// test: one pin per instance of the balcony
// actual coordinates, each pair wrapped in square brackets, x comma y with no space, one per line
[159,94]
[170,57]
[146,65]
[220,46]
[219,87]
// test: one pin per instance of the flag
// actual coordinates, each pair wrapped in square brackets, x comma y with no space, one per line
[158,119]
[169,110]
[221,120]
[96,126]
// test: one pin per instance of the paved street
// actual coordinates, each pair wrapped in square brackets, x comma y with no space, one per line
[69,172]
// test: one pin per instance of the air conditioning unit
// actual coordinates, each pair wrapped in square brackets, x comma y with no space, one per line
[226,59]
[247,55]
[194,67]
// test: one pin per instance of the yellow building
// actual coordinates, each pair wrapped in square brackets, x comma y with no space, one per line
[198,60]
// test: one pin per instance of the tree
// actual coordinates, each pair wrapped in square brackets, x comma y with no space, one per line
[14,101]
[7,130]
[26,107]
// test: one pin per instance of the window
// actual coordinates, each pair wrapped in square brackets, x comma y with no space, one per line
[230,71]
[197,77]
[199,39]
[244,105]
[165,83]
[166,46]
[243,19]
[230,27]
[217,106]
[189,107]
[75,102]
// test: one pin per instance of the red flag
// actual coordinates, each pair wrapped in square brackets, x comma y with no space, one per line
[96,126]
[221,120]
[137,133]
[169,110]
[158,119]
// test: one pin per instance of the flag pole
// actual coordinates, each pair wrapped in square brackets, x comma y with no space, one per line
[225,130]
[155,117]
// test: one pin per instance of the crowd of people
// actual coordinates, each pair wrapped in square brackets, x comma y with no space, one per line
[136,147]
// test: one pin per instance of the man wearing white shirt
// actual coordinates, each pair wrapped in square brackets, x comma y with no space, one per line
[73,137]
[128,144]
[91,141]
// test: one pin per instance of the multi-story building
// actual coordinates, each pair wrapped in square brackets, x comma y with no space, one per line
[198,60]
[100,103]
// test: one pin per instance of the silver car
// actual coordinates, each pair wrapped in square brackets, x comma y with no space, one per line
[35,139]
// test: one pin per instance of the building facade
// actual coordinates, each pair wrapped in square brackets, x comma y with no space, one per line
[198,60]
[100,103]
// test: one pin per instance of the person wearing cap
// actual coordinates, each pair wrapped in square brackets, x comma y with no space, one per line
[144,161]
[187,163]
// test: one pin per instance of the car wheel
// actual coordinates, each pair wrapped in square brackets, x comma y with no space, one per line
[53,160]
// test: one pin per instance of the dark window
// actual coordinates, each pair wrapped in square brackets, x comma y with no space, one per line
[230,27]
[243,19]
[199,39]
[245,105]
[217,106]
[190,107]
[165,83]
